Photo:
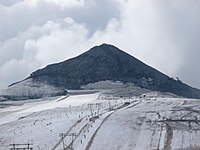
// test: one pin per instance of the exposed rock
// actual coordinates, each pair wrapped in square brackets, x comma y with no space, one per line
[107,62]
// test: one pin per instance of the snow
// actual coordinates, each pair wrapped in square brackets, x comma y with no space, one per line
[107,84]
[40,120]
[28,108]
[148,123]
[28,88]
[141,124]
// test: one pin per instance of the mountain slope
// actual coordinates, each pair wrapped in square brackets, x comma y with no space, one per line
[107,62]
[103,62]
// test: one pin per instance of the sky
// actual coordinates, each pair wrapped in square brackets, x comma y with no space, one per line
[163,34]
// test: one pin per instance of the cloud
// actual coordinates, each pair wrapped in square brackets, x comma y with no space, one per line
[19,17]
[181,25]
[9,2]
[163,34]
[65,40]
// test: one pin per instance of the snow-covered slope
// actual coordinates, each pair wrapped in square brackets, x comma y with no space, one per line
[153,124]
[41,122]
[103,123]
[116,88]
[28,89]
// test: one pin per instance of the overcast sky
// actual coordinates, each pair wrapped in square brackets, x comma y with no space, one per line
[162,33]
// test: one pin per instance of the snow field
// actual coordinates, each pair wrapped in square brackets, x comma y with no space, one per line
[144,124]
[41,122]
[152,124]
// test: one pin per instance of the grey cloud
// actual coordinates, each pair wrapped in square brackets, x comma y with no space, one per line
[9,2]
[18,18]
[96,14]
[180,21]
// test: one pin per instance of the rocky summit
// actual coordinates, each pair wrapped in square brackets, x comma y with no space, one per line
[100,63]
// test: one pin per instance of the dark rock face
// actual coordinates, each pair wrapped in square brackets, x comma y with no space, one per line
[106,62]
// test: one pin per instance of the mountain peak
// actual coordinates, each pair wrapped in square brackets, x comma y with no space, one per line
[107,62]
[105,45]
[103,49]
